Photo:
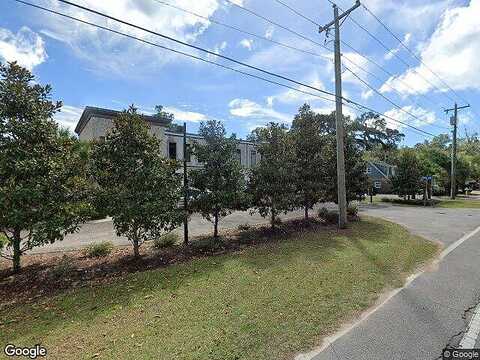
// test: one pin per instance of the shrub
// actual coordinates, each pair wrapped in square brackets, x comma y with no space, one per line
[63,268]
[243,227]
[330,217]
[352,209]
[208,244]
[98,250]
[166,241]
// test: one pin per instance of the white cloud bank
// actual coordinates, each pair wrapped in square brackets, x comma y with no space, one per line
[107,51]
[424,117]
[188,116]
[26,47]
[451,52]
[245,108]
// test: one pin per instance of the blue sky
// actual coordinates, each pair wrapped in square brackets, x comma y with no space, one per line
[87,66]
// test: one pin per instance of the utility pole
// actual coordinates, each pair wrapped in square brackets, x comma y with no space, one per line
[340,128]
[454,123]
[185,185]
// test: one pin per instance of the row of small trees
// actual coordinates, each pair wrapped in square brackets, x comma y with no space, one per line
[433,159]
[50,182]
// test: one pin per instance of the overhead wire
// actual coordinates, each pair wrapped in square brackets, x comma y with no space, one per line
[348,102]
[359,78]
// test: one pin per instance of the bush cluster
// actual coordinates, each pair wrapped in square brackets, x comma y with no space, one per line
[98,250]
[166,241]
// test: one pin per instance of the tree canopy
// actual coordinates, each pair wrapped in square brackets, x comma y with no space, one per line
[41,191]
[137,186]
[220,183]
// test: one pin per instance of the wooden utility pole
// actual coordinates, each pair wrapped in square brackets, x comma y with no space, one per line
[340,127]
[454,123]
[185,185]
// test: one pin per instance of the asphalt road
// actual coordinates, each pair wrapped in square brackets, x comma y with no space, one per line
[431,312]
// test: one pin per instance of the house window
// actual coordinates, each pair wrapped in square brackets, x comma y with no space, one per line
[188,151]
[377,184]
[172,150]
[253,158]
[239,156]
[369,170]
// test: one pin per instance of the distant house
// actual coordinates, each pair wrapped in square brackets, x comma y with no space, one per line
[381,175]
[96,122]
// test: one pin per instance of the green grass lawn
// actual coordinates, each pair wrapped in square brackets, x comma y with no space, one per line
[264,302]
[459,203]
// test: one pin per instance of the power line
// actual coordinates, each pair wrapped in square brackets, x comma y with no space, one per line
[297,12]
[389,73]
[409,50]
[392,88]
[414,55]
[344,43]
[264,18]
[349,103]
[389,100]
[406,64]
[209,52]
[217,22]
[360,79]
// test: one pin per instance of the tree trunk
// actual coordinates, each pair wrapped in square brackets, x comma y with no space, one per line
[215,225]
[16,251]
[272,220]
[306,212]
[136,247]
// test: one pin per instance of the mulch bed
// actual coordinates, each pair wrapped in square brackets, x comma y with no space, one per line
[52,273]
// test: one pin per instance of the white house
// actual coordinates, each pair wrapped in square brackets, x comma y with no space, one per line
[96,122]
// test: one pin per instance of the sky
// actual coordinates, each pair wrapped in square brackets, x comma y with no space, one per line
[91,67]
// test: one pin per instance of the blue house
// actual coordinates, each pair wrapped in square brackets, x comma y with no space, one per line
[381,175]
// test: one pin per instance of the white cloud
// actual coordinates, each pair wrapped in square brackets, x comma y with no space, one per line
[292,97]
[218,49]
[280,59]
[245,108]
[68,116]
[247,44]
[188,116]
[418,17]
[107,51]
[393,52]
[26,47]
[367,94]
[424,117]
[355,62]
[451,52]
[269,32]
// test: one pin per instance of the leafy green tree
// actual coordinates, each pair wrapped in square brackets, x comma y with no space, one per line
[220,183]
[41,192]
[309,165]
[407,180]
[136,185]
[371,130]
[272,181]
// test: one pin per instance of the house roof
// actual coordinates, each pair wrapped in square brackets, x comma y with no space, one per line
[381,163]
[91,111]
